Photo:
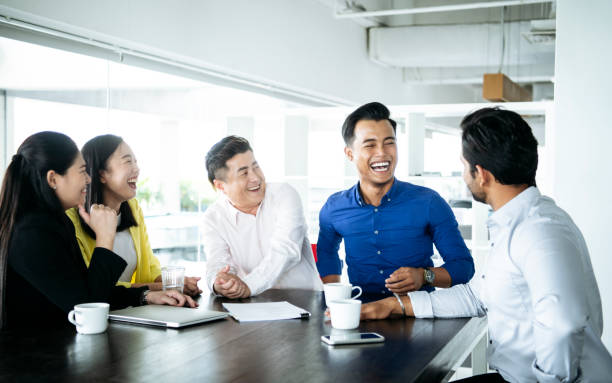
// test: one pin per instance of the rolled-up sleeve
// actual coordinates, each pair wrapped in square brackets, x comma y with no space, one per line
[445,233]
[456,302]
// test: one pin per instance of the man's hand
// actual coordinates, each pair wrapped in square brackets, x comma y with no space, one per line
[331,278]
[190,286]
[230,285]
[170,298]
[380,309]
[405,279]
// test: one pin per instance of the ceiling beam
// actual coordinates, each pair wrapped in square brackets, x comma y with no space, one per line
[440,8]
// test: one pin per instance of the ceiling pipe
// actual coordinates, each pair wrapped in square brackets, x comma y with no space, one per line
[440,8]
[478,80]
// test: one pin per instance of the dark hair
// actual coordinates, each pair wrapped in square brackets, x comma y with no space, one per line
[25,187]
[96,153]
[373,111]
[501,142]
[221,152]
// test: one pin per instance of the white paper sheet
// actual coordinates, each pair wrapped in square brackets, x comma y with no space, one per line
[251,312]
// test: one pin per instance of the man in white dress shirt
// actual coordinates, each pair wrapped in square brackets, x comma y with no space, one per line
[255,234]
[538,288]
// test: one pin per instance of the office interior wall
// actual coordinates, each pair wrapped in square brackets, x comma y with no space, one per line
[292,43]
[583,133]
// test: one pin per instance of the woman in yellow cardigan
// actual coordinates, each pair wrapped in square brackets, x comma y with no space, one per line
[114,171]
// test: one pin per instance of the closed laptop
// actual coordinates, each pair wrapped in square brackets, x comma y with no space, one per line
[165,316]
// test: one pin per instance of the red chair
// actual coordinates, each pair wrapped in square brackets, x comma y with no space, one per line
[314,250]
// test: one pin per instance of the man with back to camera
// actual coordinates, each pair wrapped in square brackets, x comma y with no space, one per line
[388,226]
[255,234]
[538,288]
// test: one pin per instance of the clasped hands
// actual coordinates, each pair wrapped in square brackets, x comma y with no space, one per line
[230,285]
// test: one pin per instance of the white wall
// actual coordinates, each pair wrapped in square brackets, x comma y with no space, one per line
[583,132]
[293,43]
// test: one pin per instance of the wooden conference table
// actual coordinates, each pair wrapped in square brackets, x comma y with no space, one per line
[415,350]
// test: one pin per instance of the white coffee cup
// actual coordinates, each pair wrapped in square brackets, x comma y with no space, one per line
[345,313]
[90,318]
[335,291]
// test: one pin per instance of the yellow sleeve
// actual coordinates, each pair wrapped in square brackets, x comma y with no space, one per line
[145,246]
[86,243]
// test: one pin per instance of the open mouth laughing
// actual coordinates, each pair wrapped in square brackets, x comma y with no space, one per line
[380,166]
[254,188]
[132,182]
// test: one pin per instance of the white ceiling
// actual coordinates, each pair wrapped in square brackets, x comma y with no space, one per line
[457,47]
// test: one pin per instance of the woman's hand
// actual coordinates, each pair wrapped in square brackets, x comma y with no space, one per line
[170,298]
[190,286]
[103,221]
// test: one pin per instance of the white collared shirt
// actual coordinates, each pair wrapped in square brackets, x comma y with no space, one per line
[266,250]
[539,293]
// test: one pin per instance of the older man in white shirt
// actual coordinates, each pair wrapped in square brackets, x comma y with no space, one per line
[255,234]
[538,288]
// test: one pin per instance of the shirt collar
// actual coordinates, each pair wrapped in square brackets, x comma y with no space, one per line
[507,213]
[234,213]
[390,194]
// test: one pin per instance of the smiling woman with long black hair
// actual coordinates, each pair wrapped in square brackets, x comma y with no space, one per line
[114,170]
[42,273]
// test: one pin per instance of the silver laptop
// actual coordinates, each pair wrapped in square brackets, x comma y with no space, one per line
[165,316]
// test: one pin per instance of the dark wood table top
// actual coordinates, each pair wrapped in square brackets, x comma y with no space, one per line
[415,350]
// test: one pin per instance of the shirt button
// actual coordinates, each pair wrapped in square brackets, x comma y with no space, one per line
[378,252]
[381,271]
[483,277]
[375,210]
[388,199]
[383,292]
[375,231]
[490,342]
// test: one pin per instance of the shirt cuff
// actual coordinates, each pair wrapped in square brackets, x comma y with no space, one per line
[421,304]
[254,284]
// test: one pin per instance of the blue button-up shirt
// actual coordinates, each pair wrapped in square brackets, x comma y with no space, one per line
[398,233]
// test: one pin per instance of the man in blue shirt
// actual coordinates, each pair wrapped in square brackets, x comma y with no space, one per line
[388,226]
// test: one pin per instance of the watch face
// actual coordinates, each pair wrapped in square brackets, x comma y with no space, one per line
[429,276]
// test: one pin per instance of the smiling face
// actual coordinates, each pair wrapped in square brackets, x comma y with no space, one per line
[71,188]
[373,151]
[120,176]
[242,182]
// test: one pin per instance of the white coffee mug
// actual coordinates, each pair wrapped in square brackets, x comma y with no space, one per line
[335,291]
[345,313]
[90,318]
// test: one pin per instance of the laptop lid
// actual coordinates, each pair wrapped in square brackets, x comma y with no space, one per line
[165,316]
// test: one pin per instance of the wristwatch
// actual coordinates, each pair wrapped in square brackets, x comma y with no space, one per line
[429,276]
[143,298]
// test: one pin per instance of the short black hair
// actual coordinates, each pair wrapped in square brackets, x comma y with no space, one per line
[501,142]
[221,152]
[373,111]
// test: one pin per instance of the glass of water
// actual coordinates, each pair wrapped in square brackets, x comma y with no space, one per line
[173,278]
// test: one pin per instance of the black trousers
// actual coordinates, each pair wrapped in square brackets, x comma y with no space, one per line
[484,378]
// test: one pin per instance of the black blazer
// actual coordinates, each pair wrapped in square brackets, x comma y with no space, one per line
[47,276]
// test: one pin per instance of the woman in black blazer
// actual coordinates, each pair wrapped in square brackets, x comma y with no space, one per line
[42,272]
